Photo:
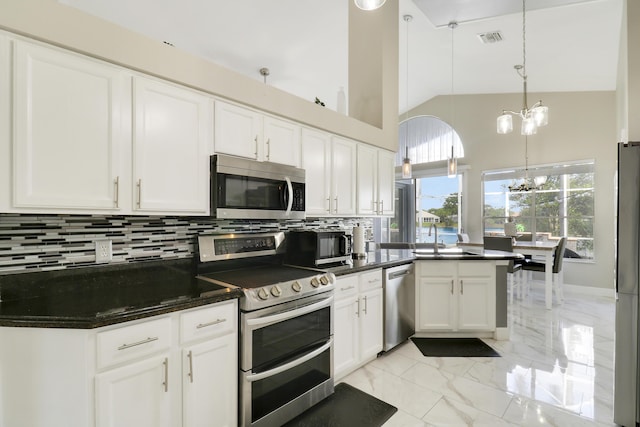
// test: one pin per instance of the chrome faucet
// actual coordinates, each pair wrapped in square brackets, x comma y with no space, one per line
[435,245]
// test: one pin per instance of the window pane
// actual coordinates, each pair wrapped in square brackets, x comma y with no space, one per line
[548,203]
[580,203]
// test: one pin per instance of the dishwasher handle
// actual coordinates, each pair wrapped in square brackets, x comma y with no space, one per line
[400,273]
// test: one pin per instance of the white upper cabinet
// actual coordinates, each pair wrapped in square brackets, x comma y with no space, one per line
[172,140]
[375,181]
[69,130]
[248,133]
[5,124]
[330,165]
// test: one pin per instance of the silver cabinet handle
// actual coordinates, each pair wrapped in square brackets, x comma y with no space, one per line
[452,287]
[166,375]
[365,305]
[329,203]
[268,148]
[139,185]
[347,288]
[116,184]
[256,141]
[336,199]
[381,207]
[215,322]
[358,310]
[137,343]
[461,287]
[190,374]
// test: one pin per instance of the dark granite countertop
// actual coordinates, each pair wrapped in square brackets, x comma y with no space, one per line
[92,297]
[386,258]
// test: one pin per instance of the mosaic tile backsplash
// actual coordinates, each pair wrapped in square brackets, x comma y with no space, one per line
[50,242]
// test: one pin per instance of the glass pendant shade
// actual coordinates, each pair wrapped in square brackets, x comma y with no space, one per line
[369,4]
[452,167]
[528,126]
[406,168]
[540,115]
[505,123]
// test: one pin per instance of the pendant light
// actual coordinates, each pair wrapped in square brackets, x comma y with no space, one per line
[369,4]
[406,162]
[534,117]
[452,162]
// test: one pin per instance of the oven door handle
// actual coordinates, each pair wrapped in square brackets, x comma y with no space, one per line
[292,364]
[261,321]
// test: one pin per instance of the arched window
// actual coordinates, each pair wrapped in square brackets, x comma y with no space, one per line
[429,139]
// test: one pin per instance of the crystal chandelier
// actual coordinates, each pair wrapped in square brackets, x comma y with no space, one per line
[528,184]
[538,114]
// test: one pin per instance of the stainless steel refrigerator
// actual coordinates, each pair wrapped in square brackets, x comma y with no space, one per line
[627,397]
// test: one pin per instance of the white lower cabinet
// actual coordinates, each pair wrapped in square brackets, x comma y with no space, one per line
[357,321]
[178,369]
[137,394]
[455,296]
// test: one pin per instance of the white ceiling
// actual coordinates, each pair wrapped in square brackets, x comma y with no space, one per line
[572,45]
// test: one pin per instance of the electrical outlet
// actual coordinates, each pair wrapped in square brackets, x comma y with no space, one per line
[104,251]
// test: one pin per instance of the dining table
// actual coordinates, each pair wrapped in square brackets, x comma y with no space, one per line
[543,249]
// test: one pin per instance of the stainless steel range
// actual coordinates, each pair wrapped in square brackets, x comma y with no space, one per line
[285,322]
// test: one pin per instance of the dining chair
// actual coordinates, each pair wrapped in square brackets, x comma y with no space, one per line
[514,269]
[463,238]
[558,255]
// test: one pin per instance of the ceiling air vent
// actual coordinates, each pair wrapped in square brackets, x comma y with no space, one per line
[490,37]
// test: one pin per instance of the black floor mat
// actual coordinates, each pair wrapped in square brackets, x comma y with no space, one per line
[454,347]
[346,407]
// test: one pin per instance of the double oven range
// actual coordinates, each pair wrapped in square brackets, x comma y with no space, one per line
[285,323]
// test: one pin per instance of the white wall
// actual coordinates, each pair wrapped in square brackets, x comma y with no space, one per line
[581,126]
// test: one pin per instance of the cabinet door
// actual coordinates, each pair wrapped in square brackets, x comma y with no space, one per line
[343,174]
[210,378]
[476,305]
[345,336]
[172,142]
[435,307]
[238,131]
[316,161]
[370,324]
[69,130]
[366,181]
[281,141]
[137,394]
[5,124]
[386,182]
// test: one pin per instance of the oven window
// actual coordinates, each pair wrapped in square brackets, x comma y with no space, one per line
[251,193]
[275,391]
[278,343]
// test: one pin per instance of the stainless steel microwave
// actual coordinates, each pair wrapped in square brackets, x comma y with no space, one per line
[248,189]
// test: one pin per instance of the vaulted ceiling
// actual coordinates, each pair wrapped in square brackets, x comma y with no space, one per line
[571,45]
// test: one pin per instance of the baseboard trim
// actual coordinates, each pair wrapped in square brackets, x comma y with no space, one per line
[501,334]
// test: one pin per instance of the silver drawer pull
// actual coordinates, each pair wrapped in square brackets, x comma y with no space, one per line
[133,344]
[347,288]
[215,322]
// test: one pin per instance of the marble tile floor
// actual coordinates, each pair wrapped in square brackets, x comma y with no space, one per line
[556,370]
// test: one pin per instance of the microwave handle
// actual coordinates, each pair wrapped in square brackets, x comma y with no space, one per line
[346,249]
[290,198]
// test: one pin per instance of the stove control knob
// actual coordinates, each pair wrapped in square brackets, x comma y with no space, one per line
[324,280]
[263,294]
[315,282]
[276,291]
[296,286]
[331,277]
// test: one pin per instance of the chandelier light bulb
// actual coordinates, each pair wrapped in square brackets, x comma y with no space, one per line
[529,126]
[540,115]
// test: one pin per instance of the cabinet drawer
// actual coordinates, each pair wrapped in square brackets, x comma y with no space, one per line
[214,320]
[370,280]
[346,286]
[131,342]
[476,268]
[436,268]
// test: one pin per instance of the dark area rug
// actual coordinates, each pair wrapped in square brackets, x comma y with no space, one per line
[346,407]
[454,347]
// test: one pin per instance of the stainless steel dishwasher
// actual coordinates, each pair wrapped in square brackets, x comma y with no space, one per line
[399,305]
